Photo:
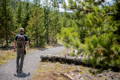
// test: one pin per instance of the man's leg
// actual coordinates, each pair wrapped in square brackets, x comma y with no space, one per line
[21,63]
[17,63]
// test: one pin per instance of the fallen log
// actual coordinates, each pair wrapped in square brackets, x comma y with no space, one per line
[62,59]
[76,61]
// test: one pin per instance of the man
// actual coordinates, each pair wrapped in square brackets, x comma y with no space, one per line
[20,43]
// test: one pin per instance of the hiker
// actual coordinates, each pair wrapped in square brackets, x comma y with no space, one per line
[21,41]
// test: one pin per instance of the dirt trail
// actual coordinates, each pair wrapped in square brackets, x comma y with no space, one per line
[8,71]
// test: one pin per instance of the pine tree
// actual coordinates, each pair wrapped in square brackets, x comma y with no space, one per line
[116,16]
[35,28]
[26,18]
[6,21]
[54,23]
[19,14]
[46,22]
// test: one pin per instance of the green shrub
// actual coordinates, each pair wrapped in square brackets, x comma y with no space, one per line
[103,49]
[69,37]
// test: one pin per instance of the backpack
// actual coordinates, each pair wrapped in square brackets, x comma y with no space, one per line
[20,41]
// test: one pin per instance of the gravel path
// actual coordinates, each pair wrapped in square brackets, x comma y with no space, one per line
[31,62]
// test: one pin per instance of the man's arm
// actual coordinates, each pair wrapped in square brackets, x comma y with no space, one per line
[15,43]
[26,41]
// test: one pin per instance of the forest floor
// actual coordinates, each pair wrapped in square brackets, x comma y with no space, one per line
[57,71]
[34,69]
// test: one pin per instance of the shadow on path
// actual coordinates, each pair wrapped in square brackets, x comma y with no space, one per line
[22,75]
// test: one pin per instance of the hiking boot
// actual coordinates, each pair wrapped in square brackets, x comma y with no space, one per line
[17,70]
[20,71]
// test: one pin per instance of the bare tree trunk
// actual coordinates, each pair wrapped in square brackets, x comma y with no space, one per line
[5,21]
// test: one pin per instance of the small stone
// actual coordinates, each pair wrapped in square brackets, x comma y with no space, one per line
[82,78]
[99,75]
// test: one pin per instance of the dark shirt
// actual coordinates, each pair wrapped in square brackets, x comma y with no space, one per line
[26,38]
